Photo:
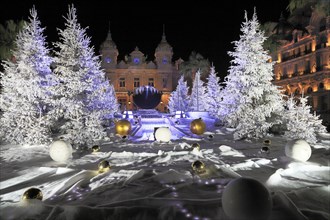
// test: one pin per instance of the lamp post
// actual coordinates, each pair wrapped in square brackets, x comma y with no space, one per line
[129,93]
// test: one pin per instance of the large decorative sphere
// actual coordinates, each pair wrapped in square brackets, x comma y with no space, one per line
[196,146]
[104,166]
[198,166]
[163,134]
[96,148]
[246,199]
[123,127]
[60,151]
[147,97]
[197,126]
[298,150]
[32,193]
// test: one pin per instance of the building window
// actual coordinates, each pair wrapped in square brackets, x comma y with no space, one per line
[122,103]
[121,82]
[136,82]
[151,81]
[164,82]
[321,86]
[285,72]
[308,66]
[309,90]
[295,71]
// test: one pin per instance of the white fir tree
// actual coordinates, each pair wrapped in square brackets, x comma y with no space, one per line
[179,98]
[198,98]
[83,88]
[300,122]
[251,103]
[213,93]
[26,95]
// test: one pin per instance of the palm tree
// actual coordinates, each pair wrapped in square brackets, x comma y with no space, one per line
[320,6]
[195,62]
[8,35]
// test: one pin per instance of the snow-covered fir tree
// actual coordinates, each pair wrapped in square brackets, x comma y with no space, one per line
[251,103]
[179,98]
[300,122]
[83,90]
[25,95]
[213,93]
[198,98]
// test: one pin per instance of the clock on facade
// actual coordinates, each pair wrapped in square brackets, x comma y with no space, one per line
[165,60]
[107,60]
[136,60]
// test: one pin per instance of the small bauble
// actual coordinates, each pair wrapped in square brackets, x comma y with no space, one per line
[265,149]
[123,127]
[246,199]
[298,149]
[96,148]
[163,134]
[103,166]
[197,126]
[198,166]
[267,142]
[32,193]
[60,151]
[196,146]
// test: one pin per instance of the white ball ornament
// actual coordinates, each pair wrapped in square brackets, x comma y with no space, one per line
[246,199]
[60,151]
[298,149]
[163,134]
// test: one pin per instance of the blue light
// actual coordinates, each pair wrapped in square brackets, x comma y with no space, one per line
[107,60]
[136,60]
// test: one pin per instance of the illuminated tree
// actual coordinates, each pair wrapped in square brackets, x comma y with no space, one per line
[251,103]
[300,122]
[179,98]
[25,95]
[213,93]
[198,97]
[83,95]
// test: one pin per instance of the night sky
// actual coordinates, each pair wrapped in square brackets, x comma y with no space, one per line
[199,26]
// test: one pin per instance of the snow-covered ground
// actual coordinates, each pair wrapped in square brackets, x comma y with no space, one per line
[150,180]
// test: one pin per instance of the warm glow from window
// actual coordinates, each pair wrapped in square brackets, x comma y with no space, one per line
[327,85]
[313,45]
[279,58]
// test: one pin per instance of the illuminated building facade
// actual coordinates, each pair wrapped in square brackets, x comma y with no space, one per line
[135,71]
[303,61]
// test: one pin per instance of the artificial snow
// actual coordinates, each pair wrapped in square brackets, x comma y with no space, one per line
[148,180]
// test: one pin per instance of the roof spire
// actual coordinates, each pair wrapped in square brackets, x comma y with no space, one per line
[164,37]
[109,33]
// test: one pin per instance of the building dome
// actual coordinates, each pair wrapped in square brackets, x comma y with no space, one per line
[163,45]
[108,44]
[283,28]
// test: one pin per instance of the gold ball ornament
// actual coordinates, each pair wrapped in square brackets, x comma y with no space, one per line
[267,142]
[32,193]
[96,148]
[197,126]
[196,145]
[198,166]
[123,127]
[104,166]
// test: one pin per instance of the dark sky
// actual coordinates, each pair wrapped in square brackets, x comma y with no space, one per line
[207,27]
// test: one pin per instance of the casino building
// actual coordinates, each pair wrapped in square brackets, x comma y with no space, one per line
[303,59]
[135,71]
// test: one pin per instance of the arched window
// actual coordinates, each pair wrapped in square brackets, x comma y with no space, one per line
[321,86]
[309,90]
[296,92]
